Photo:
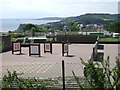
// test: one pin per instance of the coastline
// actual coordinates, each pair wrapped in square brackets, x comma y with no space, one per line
[13,24]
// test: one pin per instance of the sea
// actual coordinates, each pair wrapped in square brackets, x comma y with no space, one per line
[12,24]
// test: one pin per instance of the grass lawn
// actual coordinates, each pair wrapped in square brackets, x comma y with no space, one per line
[109,39]
[14,39]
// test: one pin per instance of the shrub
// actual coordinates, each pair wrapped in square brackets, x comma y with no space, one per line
[99,75]
[12,80]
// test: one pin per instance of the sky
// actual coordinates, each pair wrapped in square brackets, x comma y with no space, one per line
[55,8]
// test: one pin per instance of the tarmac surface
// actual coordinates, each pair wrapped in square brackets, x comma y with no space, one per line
[49,65]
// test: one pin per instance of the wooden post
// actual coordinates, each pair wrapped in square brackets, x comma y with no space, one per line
[51,47]
[63,74]
[94,53]
[12,48]
[44,47]
[64,48]
[20,48]
[29,50]
[39,50]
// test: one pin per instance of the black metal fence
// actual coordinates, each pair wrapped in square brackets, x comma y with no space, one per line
[59,74]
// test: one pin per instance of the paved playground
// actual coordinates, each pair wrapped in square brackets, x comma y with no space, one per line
[50,64]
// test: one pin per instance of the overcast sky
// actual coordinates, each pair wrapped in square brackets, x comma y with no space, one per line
[55,8]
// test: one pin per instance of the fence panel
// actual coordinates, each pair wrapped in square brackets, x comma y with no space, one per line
[51,72]
[69,78]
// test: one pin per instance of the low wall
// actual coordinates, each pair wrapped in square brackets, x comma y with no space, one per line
[5,43]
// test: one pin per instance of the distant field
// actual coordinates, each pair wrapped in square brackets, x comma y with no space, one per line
[105,19]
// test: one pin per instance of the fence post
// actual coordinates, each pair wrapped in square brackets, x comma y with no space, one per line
[63,74]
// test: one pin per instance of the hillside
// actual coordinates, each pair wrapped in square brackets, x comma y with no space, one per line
[100,19]
[21,26]
[93,19]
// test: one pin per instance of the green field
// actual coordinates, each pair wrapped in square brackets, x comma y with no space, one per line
[105,19]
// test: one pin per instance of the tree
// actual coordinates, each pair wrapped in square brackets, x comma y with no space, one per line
[31,28]
[73,27]
[59,27]
[113,27]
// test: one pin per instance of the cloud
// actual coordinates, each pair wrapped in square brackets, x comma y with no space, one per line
[77,1]
[104,0]
[41,8]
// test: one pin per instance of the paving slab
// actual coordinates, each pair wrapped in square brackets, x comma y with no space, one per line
[49,65]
